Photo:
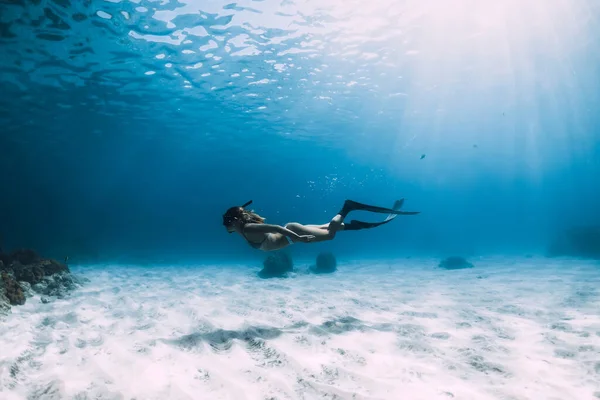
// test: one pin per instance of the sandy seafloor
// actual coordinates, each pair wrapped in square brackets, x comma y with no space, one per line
[402,329]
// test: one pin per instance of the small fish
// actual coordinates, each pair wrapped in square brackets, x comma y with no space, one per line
[475,146]
[422,156]
[66,259]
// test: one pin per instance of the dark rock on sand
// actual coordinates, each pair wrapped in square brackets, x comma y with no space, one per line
[31,274]
[581,241]
[455,263]
[24,273]
[277,265]
[24,256]
[12,290]
[58,285]
[27,290]
[326,264]
[35,272]
[4,301]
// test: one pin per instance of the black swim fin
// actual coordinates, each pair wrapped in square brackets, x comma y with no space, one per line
[350,205]
[355,225]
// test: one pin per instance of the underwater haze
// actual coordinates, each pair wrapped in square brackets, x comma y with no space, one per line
[128,127]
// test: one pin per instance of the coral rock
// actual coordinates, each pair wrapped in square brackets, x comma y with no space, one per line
[36,272]
[4,302]
[28,273]
[455,263]
[277,265]
[326,264]
[27,290]
[53,267]
[12,290]
[25,256]
[24,273]
[58,285]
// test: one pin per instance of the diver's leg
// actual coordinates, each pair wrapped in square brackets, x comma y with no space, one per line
[320,232]
[327,231]
[324,232]
[335,224]
[349,205]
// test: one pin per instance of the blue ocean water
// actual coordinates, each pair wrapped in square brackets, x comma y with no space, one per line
[128,127]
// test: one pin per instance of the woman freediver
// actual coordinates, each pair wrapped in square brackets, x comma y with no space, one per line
[268,237]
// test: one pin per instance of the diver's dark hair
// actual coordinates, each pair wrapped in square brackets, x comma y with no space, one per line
[246,216]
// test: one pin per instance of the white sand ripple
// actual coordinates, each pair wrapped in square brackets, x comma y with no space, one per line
[396,330]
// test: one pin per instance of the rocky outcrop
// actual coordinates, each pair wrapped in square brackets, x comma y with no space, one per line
[12,290]
[27,290]
[24,256]
[326,264]
[277,265]
[58,285]
[4,301]
[23,273]
[455,263]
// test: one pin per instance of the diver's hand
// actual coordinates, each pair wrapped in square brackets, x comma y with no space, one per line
[306,238]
